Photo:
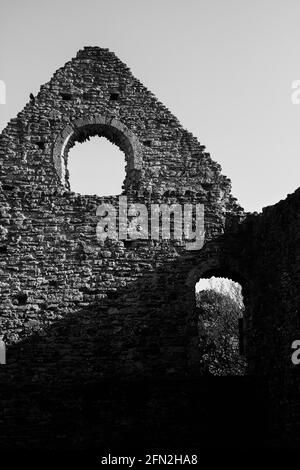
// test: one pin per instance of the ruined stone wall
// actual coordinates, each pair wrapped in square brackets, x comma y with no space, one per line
[272,260]
[69,303]
[263,254]
[78,310]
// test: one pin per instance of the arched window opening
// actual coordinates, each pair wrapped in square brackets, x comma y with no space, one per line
[220,310]
[96,167]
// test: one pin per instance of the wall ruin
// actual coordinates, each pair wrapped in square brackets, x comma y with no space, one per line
[77,310]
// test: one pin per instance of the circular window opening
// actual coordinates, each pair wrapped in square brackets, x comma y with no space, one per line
[96,167]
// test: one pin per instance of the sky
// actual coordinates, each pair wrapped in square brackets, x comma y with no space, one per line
[222,285]
[225,68]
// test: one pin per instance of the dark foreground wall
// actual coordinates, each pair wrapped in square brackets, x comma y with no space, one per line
[78,313]
[151,415]
[270,257]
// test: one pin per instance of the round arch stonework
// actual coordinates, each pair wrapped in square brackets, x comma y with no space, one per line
[103,126]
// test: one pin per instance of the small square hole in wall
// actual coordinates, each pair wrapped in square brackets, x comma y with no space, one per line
[128,243]
[66,96]
[22,298]
[41,145]
[114,96]
[7,187]
[147,143]
[87,96]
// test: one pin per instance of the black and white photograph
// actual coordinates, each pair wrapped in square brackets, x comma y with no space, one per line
[149,232]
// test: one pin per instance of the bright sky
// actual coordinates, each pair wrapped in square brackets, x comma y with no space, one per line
[222,285]
[224,68]
[83,179]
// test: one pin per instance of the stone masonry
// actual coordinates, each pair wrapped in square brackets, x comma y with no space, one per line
[76,310]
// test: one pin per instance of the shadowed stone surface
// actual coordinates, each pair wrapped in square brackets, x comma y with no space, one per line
[76,311]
